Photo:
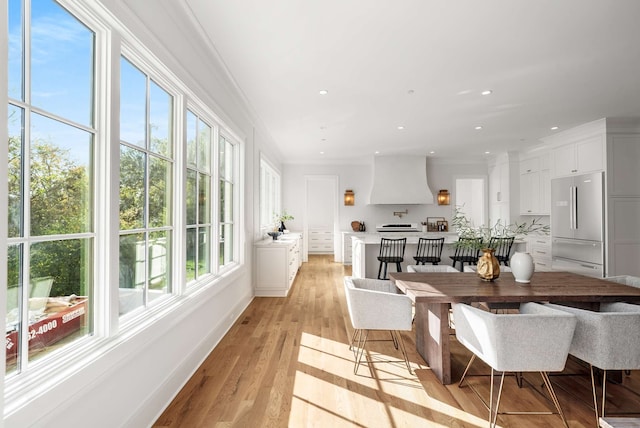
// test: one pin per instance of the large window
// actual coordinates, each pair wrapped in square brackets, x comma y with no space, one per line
[198,197]
[51,181]
[146,171]
[227,171]
[269,195]
[69,187]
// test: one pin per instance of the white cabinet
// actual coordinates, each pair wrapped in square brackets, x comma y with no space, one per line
[347,248]
[320,241]
[540,249]
[535,186]
[582,156]
[276,265]
[503,174]
[611,145]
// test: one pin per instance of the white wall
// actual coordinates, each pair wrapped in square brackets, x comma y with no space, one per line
[440,175]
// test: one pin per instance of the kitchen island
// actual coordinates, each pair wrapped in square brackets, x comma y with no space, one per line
[366,247]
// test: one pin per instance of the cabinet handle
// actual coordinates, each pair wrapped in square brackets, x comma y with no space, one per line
[574,170]
[528,170]
[528,211]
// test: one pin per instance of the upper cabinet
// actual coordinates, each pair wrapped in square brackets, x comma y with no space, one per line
[611,145]
[503,177]
[581,155]
[535,185]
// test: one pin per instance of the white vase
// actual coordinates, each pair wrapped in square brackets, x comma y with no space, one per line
[522,267]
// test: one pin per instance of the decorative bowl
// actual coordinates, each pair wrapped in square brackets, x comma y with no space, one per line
[274,235]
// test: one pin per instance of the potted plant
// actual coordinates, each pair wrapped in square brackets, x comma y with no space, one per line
[279,220]
[488,265]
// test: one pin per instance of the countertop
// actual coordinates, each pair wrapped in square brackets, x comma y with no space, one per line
[283,240]
[412,237]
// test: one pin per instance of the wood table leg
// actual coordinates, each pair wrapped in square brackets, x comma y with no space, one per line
[432,338]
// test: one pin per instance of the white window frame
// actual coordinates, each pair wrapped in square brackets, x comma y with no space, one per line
[205,116]
[113,40]
[270,194]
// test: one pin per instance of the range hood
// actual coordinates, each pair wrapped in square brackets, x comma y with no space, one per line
[400,180]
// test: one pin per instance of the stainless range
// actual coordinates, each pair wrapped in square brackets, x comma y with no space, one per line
[398,227]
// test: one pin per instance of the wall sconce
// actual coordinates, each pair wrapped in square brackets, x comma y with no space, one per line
[443,197]
[349,197]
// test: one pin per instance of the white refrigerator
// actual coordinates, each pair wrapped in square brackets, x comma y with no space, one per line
[577,224]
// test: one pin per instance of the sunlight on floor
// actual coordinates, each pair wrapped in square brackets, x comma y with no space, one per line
[327,392]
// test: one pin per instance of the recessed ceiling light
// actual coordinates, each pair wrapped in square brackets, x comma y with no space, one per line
[487,92]
[323,92]
[477,128]
[486,153]
[553,128]
[432,152]
[321,153]
[400,128]
[377,152]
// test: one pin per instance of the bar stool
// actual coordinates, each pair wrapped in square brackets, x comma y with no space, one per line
[467,251]
[429,251]
[391,251]
[502,247]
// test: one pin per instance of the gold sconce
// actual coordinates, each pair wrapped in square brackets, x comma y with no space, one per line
[443,197]
[349,197]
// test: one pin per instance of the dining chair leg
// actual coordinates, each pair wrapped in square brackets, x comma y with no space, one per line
[404,351]
[493,413]
[379,269]
[362,342]
[394,339]
[398,267]
[353,338]
[473,357]
[604,390]
[595,399]
[554,397]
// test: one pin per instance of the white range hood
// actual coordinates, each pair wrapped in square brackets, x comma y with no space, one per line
[400,180]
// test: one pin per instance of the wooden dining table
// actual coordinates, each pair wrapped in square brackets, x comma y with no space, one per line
[434,292]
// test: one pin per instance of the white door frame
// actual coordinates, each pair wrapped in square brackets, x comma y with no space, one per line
[332,179]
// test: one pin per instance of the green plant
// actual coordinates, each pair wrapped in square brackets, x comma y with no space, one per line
[498,230]
[284,216]
[278,219]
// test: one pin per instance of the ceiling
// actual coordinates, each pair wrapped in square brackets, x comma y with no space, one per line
[422,65]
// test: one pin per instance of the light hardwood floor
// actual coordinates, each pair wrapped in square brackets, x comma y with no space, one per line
[286,363]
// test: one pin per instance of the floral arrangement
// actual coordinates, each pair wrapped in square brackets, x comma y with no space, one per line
[279,219]
[498,230]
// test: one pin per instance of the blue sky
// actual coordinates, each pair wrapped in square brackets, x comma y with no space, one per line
[62,76]
[61,60]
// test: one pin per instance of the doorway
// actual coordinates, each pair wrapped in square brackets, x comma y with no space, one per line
[320,227]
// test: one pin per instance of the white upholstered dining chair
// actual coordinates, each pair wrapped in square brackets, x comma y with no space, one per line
[608,340]
[535,340]
[376,305]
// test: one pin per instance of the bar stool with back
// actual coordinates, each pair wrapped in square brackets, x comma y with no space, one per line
[502,247]
[467,250]
[391,251]
[429,251]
